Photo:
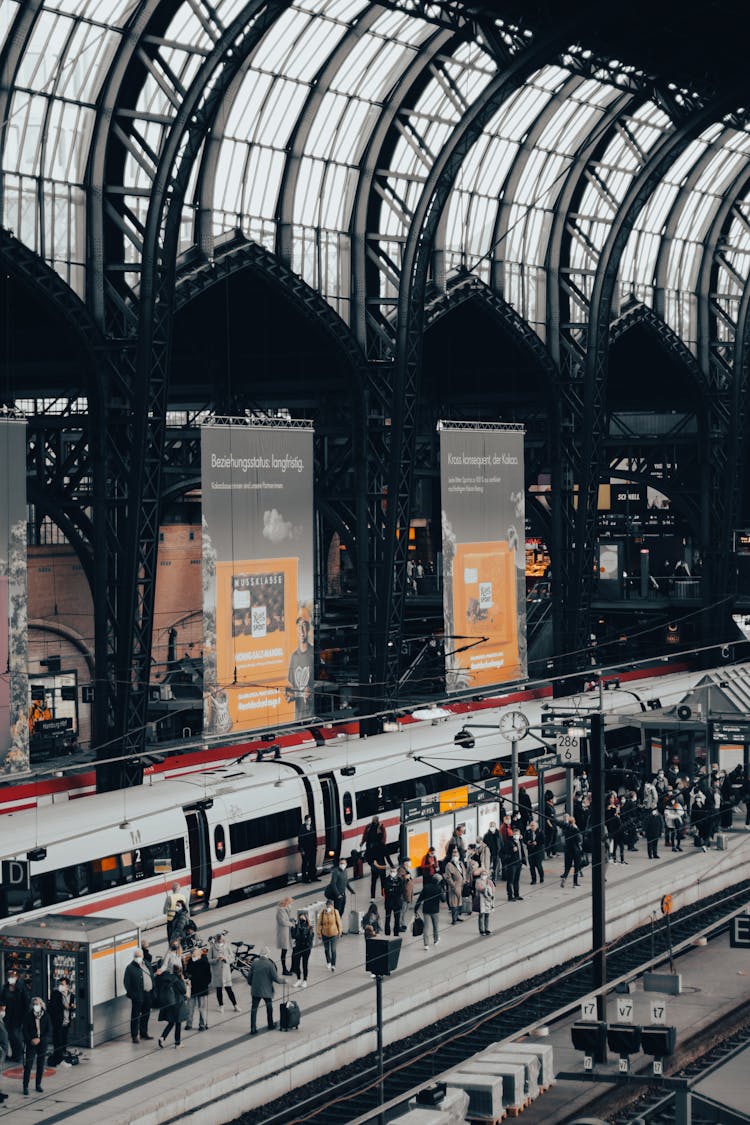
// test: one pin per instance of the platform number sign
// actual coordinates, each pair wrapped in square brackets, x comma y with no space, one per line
[568,747]
[14,875]
[588,1009]
[623,1065]
[625,1008]
[739,934]
[658,1012]
[658,1066]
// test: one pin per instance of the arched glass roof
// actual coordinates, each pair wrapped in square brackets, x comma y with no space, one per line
[335,120]
[675,223]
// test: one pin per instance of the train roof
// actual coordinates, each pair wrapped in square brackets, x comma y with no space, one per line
[49,824]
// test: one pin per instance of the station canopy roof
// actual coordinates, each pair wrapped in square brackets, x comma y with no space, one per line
[330,137]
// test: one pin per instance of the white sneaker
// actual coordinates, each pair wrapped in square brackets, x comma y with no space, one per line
[298,984]
[237,1008]
[437,941]
[304,984]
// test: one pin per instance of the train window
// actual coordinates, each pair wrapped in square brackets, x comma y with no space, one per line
[247,835]
[348,806]
[220,844]
[80,879]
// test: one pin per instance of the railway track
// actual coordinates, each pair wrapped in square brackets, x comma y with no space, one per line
[416,1060]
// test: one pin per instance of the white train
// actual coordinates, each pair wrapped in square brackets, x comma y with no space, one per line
[234,829]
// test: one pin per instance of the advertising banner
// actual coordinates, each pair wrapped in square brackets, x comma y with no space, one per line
[484,558]
[258,664]
[14,727]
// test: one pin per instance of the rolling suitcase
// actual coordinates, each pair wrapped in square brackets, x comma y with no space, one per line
[289,1014]
[355,920]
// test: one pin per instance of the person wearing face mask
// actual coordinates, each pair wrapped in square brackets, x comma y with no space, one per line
[139,988]
[37,1032]
[329,930]
[339,885]
[4,1046]
[220,959]
[198,972]
[61,1009]
[514,857]
[15,997]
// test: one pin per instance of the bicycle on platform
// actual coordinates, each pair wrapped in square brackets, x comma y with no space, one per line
[243,958]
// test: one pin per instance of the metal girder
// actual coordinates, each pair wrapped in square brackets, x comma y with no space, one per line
[138,363]
[583,361]
[398,445]
[586,457]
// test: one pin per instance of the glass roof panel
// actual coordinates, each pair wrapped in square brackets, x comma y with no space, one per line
[701,204]
[8,12]
[280,46]
[265,168]
[112,12]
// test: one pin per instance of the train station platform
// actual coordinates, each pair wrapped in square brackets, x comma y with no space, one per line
[218,1074]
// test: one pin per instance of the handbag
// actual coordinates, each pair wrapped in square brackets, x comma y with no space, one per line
[417,927]
[183,1012]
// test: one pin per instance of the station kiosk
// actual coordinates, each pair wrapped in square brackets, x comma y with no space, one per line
[92,952]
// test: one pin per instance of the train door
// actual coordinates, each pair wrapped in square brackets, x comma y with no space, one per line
[330,793]
[200,855]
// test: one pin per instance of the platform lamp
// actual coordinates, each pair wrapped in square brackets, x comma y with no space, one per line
[381,959]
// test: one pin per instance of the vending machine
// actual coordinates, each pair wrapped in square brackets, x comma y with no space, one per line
[91,952]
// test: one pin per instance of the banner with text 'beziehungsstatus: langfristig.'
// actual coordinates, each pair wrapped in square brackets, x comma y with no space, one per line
[258,667]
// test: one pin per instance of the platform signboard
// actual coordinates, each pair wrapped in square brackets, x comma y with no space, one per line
[484,556]
[568,746]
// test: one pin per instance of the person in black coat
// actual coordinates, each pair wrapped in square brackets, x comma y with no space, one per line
[573,851]
[172,995]
[61,1009]
[307,845]
[15,997]
[513,857]
[139,988]
[198,972]
[303,936]
[429,899]
[37,1032]
[380,861]
[493,840]
[550,824]
[534,841]
[525,808]
[394,898]
[653,828]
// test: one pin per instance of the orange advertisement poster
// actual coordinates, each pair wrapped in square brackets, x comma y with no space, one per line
[484,604]
[256,637]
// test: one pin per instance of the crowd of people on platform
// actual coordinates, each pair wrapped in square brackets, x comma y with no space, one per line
[667,810]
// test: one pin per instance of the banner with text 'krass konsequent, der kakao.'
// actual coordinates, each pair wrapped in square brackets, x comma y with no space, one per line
[257,480]
[484,560]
